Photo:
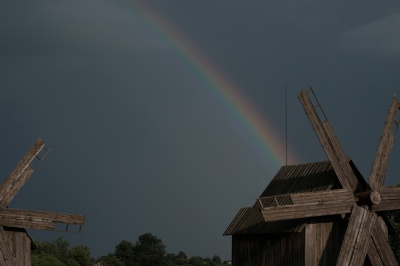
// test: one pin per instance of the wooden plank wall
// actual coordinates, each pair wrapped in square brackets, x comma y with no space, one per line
[318,244]
[323,242]
[275,250]
[20,244]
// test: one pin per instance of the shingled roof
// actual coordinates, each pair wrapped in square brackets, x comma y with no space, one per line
[290,179]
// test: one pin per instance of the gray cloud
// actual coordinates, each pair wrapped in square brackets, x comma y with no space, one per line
[59,27]
[380,36]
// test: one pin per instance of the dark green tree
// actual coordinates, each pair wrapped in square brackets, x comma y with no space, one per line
[45,260]
[58,252]
[149,250]
[181,259]
[217,260]
[110,260]
[81,255]
[169,259]
[196,261]
[125,252]
[394,241]
[60,249]
[182,255]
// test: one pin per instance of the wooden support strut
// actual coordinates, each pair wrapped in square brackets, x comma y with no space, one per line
[329,143]
[379,251]
[377,176]
[357,237]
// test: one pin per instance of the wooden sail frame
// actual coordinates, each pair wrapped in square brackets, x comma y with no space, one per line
[363,234]
[17,218]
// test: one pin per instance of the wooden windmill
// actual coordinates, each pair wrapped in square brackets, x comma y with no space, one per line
[11,249]
[361,202]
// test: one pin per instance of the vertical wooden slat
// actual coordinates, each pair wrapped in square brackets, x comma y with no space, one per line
[18,248]
[27,250]
[325,243]
[377,176]
[310,248]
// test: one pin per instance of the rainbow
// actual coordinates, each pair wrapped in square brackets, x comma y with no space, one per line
[266,138]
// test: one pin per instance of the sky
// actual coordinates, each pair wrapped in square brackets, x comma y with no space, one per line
[168,116]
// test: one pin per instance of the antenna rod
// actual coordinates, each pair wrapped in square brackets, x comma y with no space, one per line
[286,125]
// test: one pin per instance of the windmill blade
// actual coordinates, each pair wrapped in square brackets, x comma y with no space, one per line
[373,255]
[379,251]
[329,143]
[311,204]
[377,176]
[390,200]
[7,257]
[19,175]
[37,219]
[357,237]
[16,186]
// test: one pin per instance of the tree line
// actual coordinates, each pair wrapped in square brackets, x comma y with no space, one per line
[394,240]
[149,250]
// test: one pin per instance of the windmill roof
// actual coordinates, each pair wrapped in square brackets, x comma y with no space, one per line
[290,179]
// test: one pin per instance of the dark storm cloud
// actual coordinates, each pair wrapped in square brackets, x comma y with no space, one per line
[139,141]
[380,36]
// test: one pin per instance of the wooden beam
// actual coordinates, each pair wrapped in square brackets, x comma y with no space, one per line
[340,158]
[323,196]
[312,204]
[26,223]
[330,144]
[37,219]
[357,237]
[16,186]
[390,200]
[7,257]
[377,176]
[12,184]
[373,255]
[379,249]
[297,211]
